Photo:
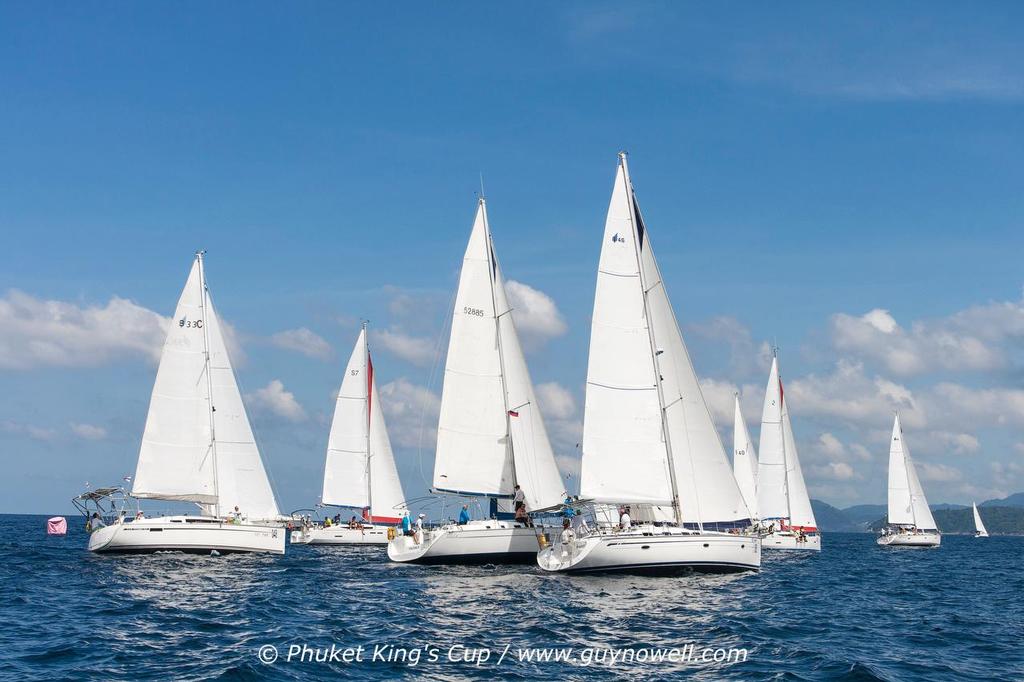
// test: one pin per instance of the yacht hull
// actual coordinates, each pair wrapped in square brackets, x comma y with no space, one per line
[654,551]
[791,541]
[197,535]
[926,538]
[478,542]
[341,535]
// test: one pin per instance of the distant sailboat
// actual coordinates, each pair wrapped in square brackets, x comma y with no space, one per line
[648,438]
[783,506]
[490,435]
[198,447]
[744,461]
[910,521]
[979,527]
[360,469]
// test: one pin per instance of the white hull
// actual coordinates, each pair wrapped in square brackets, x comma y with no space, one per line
[474,543]
[981,535]
[791,541]
[341,535]
[926,538]
[654,549]
[187,534]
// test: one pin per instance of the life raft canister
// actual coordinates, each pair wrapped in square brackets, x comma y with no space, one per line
[391,534]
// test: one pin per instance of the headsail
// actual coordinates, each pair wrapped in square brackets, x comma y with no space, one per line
[801,515]
[744,460]
[198,445]
[490,433]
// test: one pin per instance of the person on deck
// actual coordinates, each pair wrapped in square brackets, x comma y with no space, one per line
[236,515]
[95,523]
[625,523]
[406,524]
[418,536]
[568,537]
[519,498]
[522,517]
[464,515]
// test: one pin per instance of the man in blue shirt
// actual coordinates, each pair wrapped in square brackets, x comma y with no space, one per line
[406,524]
[464,515]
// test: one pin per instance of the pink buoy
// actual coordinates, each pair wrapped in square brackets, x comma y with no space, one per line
[58,525]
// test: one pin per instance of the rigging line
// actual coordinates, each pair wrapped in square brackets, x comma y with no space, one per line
[445,329]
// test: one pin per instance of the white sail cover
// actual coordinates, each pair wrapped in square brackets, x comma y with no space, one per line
[625,458]
[772,497]
[180,459]
[979,527]
[482,448]
[801,515]
[630,433]
[744,460]
[907,504]
[360,469]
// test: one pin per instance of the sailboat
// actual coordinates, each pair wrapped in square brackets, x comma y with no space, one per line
[360,469]
[744,461]
[197,446]
[648,438]
[979,527]
[910,521]
[784,512]
[490,435]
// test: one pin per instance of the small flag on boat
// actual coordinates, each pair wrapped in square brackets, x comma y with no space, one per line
[513,413]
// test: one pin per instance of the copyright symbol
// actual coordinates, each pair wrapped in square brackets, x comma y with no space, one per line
[268,653]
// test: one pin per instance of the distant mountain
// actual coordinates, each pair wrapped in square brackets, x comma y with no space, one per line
[998,520]
[863,514]
[1015,500]
[831,519]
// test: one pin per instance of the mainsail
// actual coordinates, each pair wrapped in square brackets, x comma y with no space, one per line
[490,433]
[907,504]
[198,445]
[648,436]
[744,460]
[360,468]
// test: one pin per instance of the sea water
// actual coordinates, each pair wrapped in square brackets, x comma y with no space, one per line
[855,611]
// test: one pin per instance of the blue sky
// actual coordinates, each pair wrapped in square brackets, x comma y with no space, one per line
[842,181]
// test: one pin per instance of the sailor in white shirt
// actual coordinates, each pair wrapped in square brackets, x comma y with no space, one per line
[625,523]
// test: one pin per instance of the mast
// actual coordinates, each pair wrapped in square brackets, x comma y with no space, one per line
[676,508]
[497,331]
[367,379]
[209,377]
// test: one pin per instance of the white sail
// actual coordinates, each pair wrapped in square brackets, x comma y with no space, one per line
[801,515]
[481,448]
[195,448]
[744,460]
[346,471]
[386,495]
[979,527]
[625,458]
[907,503]
[705,485]
[772,496]
[644,408]
[535,469]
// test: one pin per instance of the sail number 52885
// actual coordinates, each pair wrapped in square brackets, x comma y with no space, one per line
[473,311]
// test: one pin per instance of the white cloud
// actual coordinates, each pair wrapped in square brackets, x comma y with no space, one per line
[536,316]
[969,340]
[274,399]
[88,431]
[34,432]
[937,472]
[40,333]
[961,443]
[720,398]
[971,407]
[303,341]
[555,400]
[411,412]
[416,350]
[834,471]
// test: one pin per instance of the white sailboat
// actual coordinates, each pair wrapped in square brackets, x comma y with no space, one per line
[910,521]
[744,461]
[197,446]
[648,438]
[979,527]
[490,434]
[785,517]
[360,470]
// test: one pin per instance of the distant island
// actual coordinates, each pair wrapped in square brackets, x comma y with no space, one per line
[1001,517]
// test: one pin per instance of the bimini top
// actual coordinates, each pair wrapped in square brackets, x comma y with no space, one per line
[99,494]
